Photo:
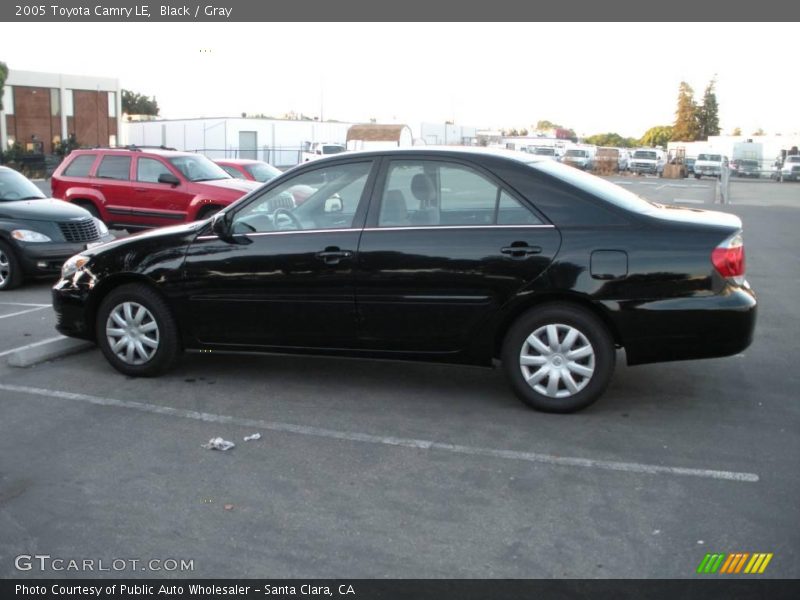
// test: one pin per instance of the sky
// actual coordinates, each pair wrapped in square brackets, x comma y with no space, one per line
[591,77]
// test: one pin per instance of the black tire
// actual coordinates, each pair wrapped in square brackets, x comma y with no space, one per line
[567,316]
[91,208]
[10,268]
[208,211]
[696,176]
[168,344]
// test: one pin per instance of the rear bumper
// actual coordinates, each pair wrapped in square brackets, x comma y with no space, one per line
[688,328]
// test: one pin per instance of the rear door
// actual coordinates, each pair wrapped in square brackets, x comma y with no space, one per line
[445,246]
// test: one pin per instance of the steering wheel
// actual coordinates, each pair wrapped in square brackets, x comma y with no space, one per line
[285,211]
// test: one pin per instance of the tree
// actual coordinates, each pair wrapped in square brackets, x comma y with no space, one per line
[137,104]
[611,139]
[758,131]
[737,131]
[3,76]
[545,124]
[657,136]
[685,128]
[708,113]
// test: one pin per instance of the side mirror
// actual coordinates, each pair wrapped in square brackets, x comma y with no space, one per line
[168,178]
[221,227]
[333,204]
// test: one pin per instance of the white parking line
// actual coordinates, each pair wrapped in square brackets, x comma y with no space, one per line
[622,182]
[702,187]
[550,459]
[24,312]
[28,346]
[688,200]
[23,304]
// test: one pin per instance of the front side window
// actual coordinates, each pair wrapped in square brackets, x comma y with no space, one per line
[262,171]
[434,193]
[115,167]
[80,166]
[325,198]
[148,170]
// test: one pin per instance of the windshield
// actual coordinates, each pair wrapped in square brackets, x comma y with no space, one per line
[332,149]
[646,154]
[710,157]
[198,168]
[262,171]
[793,159]
[598,187]
[544,151]
[578,153]
[14,186]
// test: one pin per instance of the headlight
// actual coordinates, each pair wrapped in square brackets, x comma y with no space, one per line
[101,227]
[73,264]
[26,235]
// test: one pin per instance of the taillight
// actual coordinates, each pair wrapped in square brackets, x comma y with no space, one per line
[728,258]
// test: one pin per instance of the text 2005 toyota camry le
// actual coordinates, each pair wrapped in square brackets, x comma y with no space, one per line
[439,255]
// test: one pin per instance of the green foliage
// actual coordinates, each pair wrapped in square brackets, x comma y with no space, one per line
[685,128]
[611,139]
[708,113]
[137,104]
[657,136]
[13,154]
[544,124]
[3,77]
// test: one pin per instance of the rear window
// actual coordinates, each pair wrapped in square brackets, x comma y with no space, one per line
[80,165]
[115,167]
[596,186]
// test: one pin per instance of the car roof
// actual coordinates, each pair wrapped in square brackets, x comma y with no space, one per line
[443,151]
[238,161]
[165,152]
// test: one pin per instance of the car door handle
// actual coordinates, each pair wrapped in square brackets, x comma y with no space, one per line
[332,256]
[521,250]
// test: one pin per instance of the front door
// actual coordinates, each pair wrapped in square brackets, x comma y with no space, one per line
[286,279]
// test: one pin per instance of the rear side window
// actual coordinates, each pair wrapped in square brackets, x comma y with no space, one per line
[437,193]
[115,167]
[80,166]
[235,173]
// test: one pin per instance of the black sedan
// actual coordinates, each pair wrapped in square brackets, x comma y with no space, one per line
[450,255]
[37,234]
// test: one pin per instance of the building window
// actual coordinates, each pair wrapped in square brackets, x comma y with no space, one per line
[68,108]
[55,102]
[8,100]
[112,104]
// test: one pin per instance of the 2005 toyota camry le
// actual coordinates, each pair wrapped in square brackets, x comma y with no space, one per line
[449,255]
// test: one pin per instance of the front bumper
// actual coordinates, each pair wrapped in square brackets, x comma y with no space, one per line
[688,328]
[46,258]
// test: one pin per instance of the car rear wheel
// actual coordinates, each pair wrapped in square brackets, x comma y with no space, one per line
[558,358]
[137,332]
[91,208]
[10,270]
[207,212]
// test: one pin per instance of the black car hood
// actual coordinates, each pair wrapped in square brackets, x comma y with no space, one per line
[47,209]
[175,231]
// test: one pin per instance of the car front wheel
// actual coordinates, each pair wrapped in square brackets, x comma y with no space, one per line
[10,271]
[137,332]
[558,358]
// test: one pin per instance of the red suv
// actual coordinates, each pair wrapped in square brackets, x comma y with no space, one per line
[137,187]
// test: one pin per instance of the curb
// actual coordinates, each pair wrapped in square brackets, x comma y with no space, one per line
[38,352]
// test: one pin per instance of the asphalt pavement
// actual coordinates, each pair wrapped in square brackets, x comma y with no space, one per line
[388,469]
